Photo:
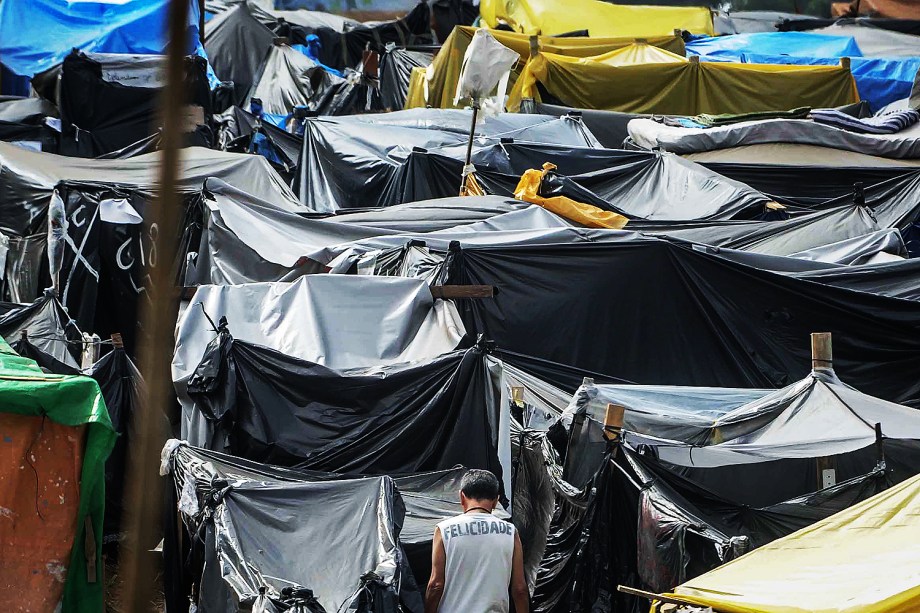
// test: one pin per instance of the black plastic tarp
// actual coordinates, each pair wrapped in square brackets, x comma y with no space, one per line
[47,326]
[751,325]
[349,162]
[121,384]
[806,185]
[391,419]
[237,45]
[109,101]
[396,66]
[290,79]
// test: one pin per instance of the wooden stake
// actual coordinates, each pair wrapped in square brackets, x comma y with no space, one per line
[822,355]
[613,421]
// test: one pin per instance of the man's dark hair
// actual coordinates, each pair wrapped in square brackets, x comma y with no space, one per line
[479,485]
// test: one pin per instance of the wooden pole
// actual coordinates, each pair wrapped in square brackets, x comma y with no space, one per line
[469,148]
[139,567]
[822,355]
[613,421]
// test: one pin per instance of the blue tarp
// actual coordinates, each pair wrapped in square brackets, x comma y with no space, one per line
[37,34]
[798,44]
[879,81]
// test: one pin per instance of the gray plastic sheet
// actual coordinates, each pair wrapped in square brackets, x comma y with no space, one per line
[27,179]
[326,319]
[818,416]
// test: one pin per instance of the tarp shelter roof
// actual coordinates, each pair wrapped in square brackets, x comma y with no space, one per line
[245,239]
[289,79]
[237,45]
[402,323]
[48,327]
[265,406]
[439,91]
[683,89]
[863,559]
[752,325]
[818,416]
[598,18]
[69,401]
[797,44]
[396,67]
[903,145]
[348,162]
[351,526]
[27,179]
[138,26]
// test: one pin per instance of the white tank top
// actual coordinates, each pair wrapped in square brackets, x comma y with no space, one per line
[477,574]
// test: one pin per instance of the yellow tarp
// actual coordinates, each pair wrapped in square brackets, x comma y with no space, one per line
[636,53]
[690,88]
[445,69]
[862,560]
[528,190]
[553,17]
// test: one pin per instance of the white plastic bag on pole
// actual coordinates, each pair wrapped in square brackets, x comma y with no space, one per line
[485,63]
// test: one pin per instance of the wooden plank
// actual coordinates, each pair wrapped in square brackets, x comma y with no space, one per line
[462,291]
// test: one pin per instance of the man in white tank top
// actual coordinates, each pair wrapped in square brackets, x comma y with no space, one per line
[477,558]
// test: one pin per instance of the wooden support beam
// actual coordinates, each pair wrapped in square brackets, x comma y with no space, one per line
[463,291]
[613,421]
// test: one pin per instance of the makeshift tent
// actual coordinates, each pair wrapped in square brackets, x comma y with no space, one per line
[793,44]
[48,326]
[28,179]
[396,66]
[648,133]
[91,26]
[868,546]
[350,162]
[108,101]
[598,18]
[905,26]
[748,322]
[881,81]
[360,420]
[57,435]
[23,122]
[358,566]
[237,45]
[681,88]
[743,22]
[121,386]
[437,85]
[289,79]
[428,498]
[403,323]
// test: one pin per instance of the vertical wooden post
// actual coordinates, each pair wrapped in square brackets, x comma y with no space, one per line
[822,355]
[613,421]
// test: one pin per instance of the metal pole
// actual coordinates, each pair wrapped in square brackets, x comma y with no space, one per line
[144,492]
[469,146]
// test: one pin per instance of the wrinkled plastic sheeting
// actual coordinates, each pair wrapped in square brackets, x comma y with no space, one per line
[486,65]
[662,549]
[403,322]
[345,156]
[48,327]
[350,526]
